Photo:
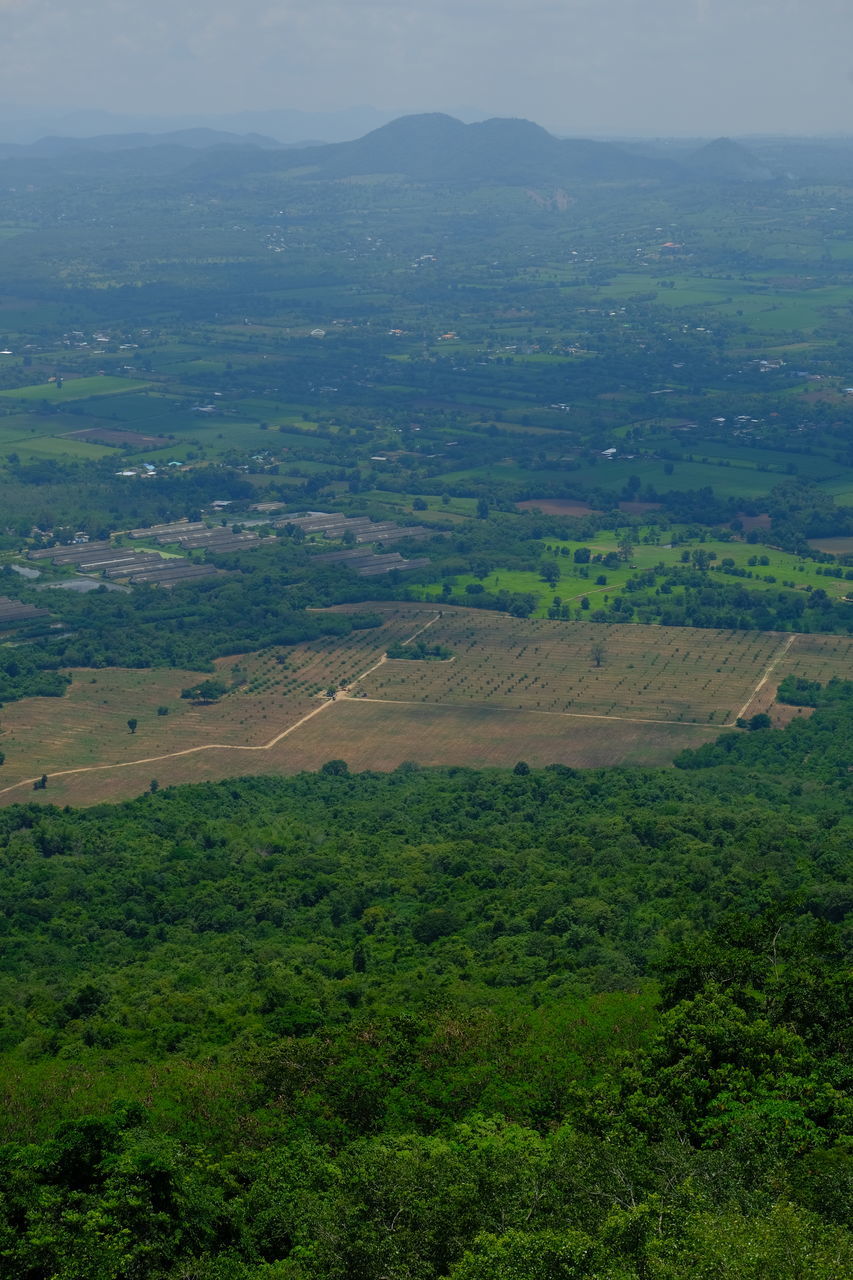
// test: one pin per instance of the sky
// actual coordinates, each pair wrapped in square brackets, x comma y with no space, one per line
[578,67]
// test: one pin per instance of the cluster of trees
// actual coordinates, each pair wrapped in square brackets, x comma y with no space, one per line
[797,691]
[800,510]
[436,1023]
[190,625]
[694,597]
[420,651]
[71,496]
[27,673]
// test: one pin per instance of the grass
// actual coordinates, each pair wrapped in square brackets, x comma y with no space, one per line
[758,304]
[60,447]
[74,389]
[783,567]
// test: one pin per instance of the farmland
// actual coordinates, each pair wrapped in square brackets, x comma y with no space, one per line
[512,689]
[564,401]
[74,389]
[89,725]
[668,674]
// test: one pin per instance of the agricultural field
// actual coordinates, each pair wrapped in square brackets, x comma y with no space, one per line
[74,389]
[669,674]
[754,302]
[42,436]
[835,546]
[268,691]
[817,657]
[382,736]
[513,689]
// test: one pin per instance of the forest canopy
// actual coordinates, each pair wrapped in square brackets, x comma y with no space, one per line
[436,1023]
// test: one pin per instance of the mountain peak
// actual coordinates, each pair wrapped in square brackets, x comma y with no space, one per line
[725,158]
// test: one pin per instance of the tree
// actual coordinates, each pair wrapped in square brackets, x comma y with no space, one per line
[132,723]
[335,768]
[597,652]
[206,691]
[626,547]
[540,1255]
[153,785]
[521,769]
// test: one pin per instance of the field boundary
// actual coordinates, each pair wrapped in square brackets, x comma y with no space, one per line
[768,671]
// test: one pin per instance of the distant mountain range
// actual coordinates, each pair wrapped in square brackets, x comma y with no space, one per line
[194,139]
[439,148]
[286,125]
[433,148]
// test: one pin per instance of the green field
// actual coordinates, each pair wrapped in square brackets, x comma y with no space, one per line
[785,570]
[754,302]
[74,389]
[38,436]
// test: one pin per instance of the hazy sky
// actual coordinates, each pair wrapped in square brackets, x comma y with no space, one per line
[576,66]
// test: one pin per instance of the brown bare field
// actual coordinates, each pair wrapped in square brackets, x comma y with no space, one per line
[380,735]
[815,657]
[754,522]
[514,689]
[835,546]
[89,725]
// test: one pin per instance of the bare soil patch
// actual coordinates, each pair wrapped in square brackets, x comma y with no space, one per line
[381,736]
[754,522]
[834,546]
[671,674]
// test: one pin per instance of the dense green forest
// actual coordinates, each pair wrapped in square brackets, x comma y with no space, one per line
[437,1023]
